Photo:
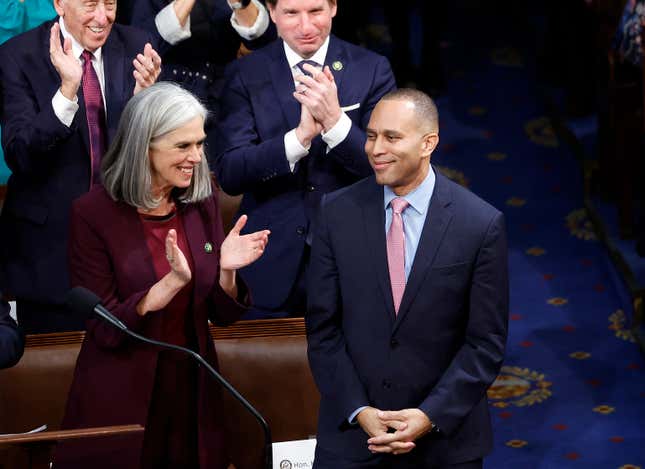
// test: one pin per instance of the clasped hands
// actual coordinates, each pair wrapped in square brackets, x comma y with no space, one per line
[395,431]
[320,109]
[147,65]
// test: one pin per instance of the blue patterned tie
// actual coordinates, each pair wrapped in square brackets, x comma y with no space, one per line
[302,63]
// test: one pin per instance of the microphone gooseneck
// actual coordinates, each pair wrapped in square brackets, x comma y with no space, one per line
[84,301]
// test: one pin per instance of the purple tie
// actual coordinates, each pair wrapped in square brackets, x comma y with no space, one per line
[95,112]
[396,251]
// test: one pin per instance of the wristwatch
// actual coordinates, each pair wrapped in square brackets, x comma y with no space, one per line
[239,4]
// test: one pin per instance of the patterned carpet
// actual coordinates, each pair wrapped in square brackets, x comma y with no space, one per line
[572,390]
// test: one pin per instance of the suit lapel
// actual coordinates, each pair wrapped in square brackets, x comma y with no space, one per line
[140,266]
[205,261]
[434,229]
[282,80]
[113,66]
[337,58]
[81,120]
[374,224]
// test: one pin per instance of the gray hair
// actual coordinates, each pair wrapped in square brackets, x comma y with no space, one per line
[151,113]
[424,107]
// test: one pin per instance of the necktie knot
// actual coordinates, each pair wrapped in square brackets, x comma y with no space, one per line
[87,57]
[301,66]
[399,205]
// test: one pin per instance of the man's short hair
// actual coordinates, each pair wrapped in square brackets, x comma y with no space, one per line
[273,3]
[424,106]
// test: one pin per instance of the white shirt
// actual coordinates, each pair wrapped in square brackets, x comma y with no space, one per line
[172,32]
[64,108]
[293,149]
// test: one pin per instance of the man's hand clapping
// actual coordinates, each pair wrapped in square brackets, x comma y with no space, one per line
[68,67]
[318,96]
[147,67]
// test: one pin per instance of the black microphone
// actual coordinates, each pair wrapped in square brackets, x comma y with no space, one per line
[83,301]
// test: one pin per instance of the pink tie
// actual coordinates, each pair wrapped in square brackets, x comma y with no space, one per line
[396,251]
[95,113]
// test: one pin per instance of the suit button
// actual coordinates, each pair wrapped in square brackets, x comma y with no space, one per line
[311,188]
[387,384]
[300,230]
[394,343]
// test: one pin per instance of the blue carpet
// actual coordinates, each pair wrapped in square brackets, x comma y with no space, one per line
[626,247]
[572,390]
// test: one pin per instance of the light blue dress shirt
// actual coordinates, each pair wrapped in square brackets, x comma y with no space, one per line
[414,217]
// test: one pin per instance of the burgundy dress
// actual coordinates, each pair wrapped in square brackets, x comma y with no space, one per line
[118,381]
[170,439]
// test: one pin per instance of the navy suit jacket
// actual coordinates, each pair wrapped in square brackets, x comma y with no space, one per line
[258,108]
[50,162]
[445,346]
[12,342]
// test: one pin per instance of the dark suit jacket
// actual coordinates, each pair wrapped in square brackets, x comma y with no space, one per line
[258,108]
[50,162]
[114,375]
[443,349]
[12,342]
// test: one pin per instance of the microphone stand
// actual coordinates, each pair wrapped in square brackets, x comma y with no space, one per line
[268,449]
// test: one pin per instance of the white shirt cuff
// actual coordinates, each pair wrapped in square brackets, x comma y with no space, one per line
[352,418]
[168,25]
[257,29]
[294,149]
[338,132]
[64,109]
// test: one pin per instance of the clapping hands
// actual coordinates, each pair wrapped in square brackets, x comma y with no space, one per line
[147,67]
[66,64]
[241,250]
[320,108]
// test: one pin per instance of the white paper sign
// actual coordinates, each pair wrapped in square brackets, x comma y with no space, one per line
[297,454]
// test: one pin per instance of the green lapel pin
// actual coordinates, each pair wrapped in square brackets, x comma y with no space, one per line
[208,247]
[337,65]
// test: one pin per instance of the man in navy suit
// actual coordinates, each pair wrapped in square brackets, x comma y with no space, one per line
[292,128]
[408,306]
[48,144]
[12,342]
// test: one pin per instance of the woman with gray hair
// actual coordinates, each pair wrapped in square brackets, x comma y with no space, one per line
[150,244]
